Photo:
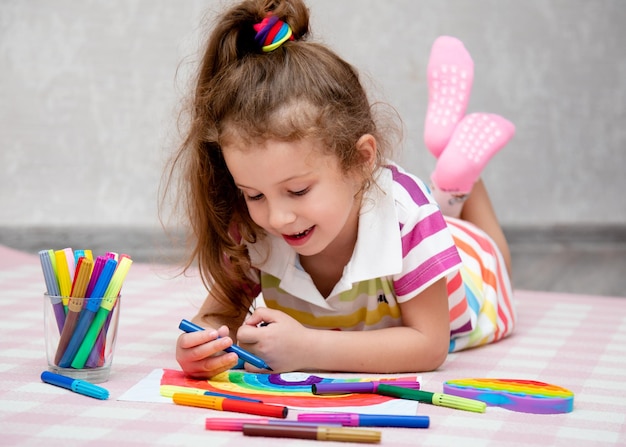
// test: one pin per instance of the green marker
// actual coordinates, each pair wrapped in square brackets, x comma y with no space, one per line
[440,399]
[110,297]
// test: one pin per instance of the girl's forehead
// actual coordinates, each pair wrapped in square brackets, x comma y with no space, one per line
[275,155]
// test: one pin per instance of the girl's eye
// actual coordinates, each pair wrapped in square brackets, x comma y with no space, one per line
[301,192]
[254,198]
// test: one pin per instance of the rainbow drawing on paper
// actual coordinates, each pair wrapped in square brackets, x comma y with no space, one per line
[526,396]
[293,389]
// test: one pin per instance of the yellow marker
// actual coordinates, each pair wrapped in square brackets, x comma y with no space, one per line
[63,275]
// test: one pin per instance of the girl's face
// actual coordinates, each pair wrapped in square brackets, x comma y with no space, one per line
[295,191]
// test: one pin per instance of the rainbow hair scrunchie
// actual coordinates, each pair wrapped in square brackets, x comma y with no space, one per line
[271,33]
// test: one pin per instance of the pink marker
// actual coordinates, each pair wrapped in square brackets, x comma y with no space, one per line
[71,263]
[236,424]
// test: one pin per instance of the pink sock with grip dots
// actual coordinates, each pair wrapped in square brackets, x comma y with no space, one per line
[476,139]
[450,76]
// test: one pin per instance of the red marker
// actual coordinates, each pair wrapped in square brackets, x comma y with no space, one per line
[224,404]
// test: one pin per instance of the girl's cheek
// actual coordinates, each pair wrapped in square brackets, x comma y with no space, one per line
[257,215]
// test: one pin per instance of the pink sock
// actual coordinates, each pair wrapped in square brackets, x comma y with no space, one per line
[450,77]
[475,140]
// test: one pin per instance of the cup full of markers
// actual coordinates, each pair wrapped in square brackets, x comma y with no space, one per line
[81,310]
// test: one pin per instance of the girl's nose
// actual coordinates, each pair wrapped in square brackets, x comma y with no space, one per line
[280,214]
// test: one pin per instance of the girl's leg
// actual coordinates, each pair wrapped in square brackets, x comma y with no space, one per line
[462,144]
[456,182]
[478,210]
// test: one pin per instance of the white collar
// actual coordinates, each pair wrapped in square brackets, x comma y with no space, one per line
[377,253]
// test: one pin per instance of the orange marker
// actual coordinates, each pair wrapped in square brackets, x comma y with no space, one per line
[81,279]
[224,404]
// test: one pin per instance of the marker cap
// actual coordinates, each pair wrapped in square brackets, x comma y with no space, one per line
[460,403]
[348,435]
[231,424]
[89,389]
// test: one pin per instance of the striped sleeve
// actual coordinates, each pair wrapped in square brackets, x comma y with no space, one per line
[428,250]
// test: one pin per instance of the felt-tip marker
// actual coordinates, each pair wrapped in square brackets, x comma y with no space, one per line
[224,404]
[236,424]
[169,390]
[188,326]
[76,385]
[318,433]
[366,420]
[440,399]
[358,387]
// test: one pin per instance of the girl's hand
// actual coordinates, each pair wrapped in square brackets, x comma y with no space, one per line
[200,354]
[277,338]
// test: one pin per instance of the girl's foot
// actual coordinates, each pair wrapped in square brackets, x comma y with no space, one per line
[450,77]
[475,140]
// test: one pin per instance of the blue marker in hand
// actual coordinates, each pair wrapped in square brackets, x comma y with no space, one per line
[188,326]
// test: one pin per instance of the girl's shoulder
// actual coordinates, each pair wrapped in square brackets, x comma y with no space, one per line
[408,190]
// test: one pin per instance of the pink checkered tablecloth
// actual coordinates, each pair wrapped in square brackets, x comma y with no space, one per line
[574,341]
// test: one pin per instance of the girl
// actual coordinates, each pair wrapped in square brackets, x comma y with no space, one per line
[290,193]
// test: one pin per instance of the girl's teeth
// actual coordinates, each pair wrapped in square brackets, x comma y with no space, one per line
[304,233]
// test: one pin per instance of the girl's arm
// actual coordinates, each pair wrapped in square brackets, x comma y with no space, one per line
[420,345]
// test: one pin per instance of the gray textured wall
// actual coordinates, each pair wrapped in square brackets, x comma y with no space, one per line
[89,93]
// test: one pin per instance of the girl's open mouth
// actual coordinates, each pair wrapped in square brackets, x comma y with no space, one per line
[299,238]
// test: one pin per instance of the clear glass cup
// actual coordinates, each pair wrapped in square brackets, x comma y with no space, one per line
[80,336]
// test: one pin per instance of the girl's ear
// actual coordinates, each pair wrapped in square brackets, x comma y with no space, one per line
[366,146]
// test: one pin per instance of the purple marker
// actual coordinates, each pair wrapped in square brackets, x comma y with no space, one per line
[95,274]
[358,387]
[366,420]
